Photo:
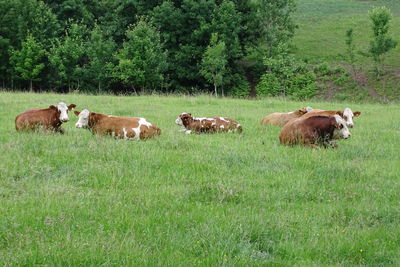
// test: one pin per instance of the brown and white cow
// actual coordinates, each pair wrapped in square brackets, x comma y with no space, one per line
[313,131]
[129,128]
[49,119]
[347,114]
[207,125]
[280,119]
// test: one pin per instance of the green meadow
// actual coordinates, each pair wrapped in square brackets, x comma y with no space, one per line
[197,200]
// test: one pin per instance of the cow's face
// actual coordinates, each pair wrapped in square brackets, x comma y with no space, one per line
[83,118]
[63,109]
[341,130]
[184,119]
[348,116]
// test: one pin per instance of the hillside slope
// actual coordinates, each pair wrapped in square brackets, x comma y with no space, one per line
[321,38]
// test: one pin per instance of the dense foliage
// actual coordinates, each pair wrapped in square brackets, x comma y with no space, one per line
[139,45]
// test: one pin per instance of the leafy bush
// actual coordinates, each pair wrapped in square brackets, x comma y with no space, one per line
[287,76]
[241,88]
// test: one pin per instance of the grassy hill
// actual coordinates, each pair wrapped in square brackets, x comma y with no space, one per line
[197,200]
[321,34]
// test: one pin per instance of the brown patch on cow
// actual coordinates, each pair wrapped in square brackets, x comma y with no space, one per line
[312,131]
[357,113]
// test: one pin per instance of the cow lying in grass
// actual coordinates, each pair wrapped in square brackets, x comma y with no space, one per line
[48,119]
[314,131]
[347,114]
[207,125]
[128,128]
[280,119]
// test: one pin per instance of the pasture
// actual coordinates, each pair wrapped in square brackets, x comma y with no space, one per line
[197,200]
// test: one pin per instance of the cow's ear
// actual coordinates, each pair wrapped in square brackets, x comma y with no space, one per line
[71,106]
[190,114]
[302,111]
[340,113]
[357,113]
[52,107]
[77,112]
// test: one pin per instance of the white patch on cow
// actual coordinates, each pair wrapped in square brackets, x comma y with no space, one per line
[113,134]
[137,133]
[188,132]
[62,107]
[290,112]
[223,119]
[83,119]
[142,121]
[213,123]
[179,121]
[125,132]
[343,132]
[309,109]
[238,125]
[348,113]
[222,126]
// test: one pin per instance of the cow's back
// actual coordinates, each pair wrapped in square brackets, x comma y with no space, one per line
[279,119]
[34,118]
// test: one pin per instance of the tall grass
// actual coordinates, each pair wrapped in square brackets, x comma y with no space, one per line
[182,200]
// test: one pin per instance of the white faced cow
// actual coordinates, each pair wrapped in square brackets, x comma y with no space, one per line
[50,119]
[129,128]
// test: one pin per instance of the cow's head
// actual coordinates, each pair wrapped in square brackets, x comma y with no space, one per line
[62,108]
[184,119]
[348,115]
[83,118]
[341,131]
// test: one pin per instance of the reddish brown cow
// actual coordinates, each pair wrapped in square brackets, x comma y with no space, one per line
[312,131]
[207,125]
[347,114]
[280,119]
[50,119]
[129,128]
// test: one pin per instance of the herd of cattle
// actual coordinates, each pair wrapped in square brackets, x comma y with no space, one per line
[306,126]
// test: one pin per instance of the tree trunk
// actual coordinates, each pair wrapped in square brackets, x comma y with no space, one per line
[215,90]
[30,86]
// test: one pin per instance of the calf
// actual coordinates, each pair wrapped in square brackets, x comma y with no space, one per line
[347,114]
[50,119]
[280,119]
[312,131]
[129,128]
[207,125]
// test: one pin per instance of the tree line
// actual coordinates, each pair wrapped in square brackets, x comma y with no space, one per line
[141,46]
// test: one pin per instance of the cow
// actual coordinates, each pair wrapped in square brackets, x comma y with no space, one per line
[347,114]
[128,128]
[207,125]
[280,119]
[48,119]
[314,131]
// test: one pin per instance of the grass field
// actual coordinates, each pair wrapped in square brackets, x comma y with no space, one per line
[197,200]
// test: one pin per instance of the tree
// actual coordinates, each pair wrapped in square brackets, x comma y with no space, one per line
[66,57]
[100,54]
[213,64]
[141,61]
[28,62]
[351,56]
[382,42]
